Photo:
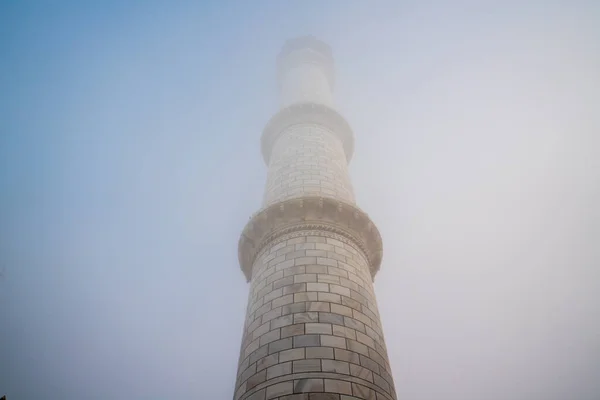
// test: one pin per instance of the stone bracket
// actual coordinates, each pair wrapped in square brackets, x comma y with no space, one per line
[309,213]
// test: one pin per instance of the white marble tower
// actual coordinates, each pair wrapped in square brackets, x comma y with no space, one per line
[312,329]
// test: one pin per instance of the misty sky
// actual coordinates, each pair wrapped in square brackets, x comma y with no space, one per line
[130,162]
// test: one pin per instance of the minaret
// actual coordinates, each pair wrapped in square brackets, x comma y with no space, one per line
[312,328]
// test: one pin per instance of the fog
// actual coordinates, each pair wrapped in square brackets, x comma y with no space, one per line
[130,162]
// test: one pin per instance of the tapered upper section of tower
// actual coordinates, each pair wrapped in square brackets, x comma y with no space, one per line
[305,72]
[306,76]
[307,146]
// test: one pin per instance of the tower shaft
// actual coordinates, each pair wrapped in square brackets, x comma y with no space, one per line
[312,329]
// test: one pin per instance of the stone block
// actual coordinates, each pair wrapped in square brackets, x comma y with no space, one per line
[317,305]
[283,282]
[269,337]
[307,365]
[253,346]
[261,330]
[339,290]
[354,324]
[283,300]
[343,331]
[306,317]
[271,315]
[342,250]
[324,246]
[363,392]
[335,256]
[280,345]
[295,288]
[284,265]
[280,389]
[326,261]
[279,370]
[319,352]
[306,341]
[305,296]
[348,356]
[331,318]
[292,330]
[275,276]
[357,347]
[259,395]
[263,309]
[359,297]
[333,341]
[382,383]
[348,283]
[334,270]
[316,269]
[316,253]
[326,278]
[361,372]
[350,302]
[282,321]
[248,373]
[338,386]
[340,367]
[267,361]
[257,378]
[258,354]
[305,278]
[276,261]
[308,385]
[295,254]
[285,250]
[364,339]
[305,261]
[293,308]
[305,246]
[361,317]
[375,356]
[243,365]
[317,287]
[291,355]
[329,297]
[342,310]
[318,328]
[369,363]
[272,295]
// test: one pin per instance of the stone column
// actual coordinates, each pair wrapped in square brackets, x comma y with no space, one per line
[312,329]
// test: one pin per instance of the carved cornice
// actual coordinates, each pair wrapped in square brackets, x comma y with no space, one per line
[307,113]
[306,214]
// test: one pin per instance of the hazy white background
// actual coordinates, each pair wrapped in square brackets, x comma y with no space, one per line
[130,162]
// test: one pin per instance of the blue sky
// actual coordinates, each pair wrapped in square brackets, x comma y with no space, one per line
[130,162]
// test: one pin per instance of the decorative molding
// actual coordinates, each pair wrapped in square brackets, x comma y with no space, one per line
[320,214]
[307,113]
